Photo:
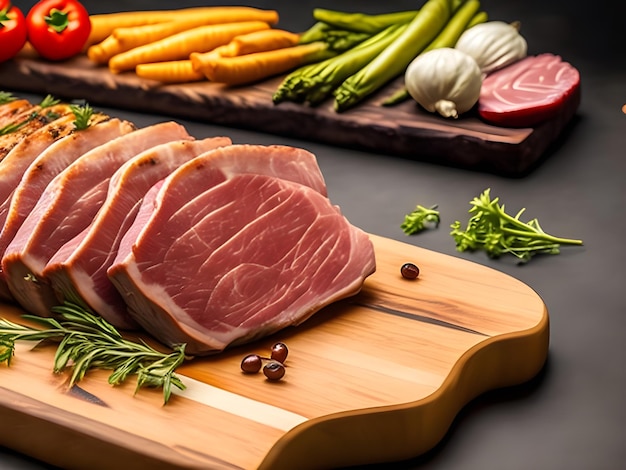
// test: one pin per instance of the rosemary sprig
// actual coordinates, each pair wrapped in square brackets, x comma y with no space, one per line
[493,230]
[416,221]
[49,101]
[6,97]
[83,114]
[87,341]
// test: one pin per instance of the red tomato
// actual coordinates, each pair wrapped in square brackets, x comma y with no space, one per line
[58,29]
[12,30]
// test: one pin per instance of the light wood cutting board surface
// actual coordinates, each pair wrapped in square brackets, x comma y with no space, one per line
[375,378]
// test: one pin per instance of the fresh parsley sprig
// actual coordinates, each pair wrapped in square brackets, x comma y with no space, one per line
[416,221]
[491,229]
[87,341]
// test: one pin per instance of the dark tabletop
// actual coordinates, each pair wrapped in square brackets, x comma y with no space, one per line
[572,415]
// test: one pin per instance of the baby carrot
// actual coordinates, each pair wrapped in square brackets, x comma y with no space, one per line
[125,39]
[102,25]
[180,45]
[176,71]
[253,67]
[259,41]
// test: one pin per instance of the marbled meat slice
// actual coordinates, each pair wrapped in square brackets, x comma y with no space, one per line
[529,91]
[246,258]
[52,161]
[78,270]
[66,208]
[213,167]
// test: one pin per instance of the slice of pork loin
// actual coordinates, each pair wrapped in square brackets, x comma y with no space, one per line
[16,162]
[248,257]
[78,269]
[213,167]
[49,163]
[66,207]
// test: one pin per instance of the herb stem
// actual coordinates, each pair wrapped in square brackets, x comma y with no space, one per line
[87,341]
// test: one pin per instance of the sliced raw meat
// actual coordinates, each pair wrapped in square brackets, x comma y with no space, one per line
[66,207]
[529,91]
[78,269]
[45,167]
[205,171]
[248,257]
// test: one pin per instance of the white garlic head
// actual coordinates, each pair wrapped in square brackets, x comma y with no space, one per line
[444,80]
[493,44]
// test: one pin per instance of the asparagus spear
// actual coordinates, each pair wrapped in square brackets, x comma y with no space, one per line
[392,61]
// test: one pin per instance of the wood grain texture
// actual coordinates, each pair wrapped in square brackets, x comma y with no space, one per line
[375,378]
[404,130]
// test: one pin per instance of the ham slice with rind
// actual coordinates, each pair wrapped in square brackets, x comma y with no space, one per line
[529,91]
[245,255]
[78,270]
[66,207]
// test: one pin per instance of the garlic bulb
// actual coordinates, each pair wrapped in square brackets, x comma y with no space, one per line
[444,80]
[493,45]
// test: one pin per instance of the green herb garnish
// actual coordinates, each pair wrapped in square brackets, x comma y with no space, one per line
[48,101]
[416,221]
[6,97]
[83,114]
[87,341]
[493,230]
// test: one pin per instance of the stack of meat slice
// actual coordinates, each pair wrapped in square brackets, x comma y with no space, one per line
[79,268]
[27,179]
[201,242]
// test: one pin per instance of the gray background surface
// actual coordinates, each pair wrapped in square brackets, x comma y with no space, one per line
[572,416]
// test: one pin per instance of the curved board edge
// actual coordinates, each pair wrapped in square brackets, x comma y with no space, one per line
[395,433]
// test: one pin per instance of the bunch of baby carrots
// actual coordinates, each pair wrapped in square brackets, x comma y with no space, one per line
[227,44]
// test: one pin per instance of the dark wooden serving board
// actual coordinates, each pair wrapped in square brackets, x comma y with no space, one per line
[404,130]
[375,378]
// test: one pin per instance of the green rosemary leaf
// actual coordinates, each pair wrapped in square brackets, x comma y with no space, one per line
[7,349]
[49,101]
[87,341]
[6,97]
[83,116]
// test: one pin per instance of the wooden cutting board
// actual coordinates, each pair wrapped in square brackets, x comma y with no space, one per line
[404,130]
[375,378]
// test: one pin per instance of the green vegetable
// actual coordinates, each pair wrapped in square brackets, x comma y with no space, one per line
[6,97]
[493,230]
[82,114]
[48,101]
[466,15]
[416,221]
[480,17]
[337,40]
[87,341]
[362,22]
[395,58]
[316,82]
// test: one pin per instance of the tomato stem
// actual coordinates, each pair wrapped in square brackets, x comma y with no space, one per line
[57,20]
